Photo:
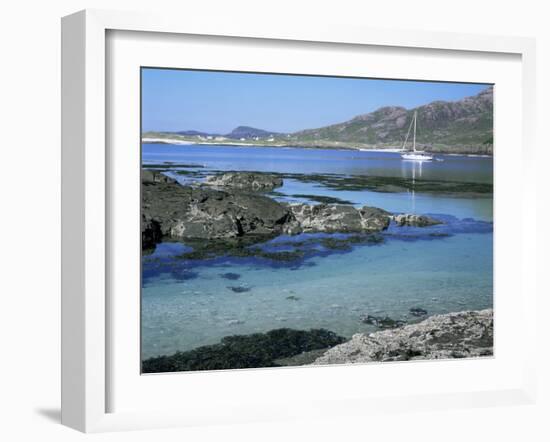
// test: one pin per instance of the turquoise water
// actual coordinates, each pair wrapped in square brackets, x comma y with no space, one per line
[186,304]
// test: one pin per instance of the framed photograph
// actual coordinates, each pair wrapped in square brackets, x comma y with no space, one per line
[267,222]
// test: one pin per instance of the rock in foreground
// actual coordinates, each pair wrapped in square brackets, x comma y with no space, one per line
[454,335]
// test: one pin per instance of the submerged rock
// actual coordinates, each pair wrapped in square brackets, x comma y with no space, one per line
[418,311]
[231,276]
[239,289]
[407,219]
[382,322]
[390,184]
[246,180]
[454,335]
[320,198]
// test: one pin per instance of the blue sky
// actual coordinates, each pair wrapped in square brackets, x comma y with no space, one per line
[217,102]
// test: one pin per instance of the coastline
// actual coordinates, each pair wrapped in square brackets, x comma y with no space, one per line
[165,141]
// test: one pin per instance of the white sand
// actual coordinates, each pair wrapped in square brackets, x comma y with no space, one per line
[165,140]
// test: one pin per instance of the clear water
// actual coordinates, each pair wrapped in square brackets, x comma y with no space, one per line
[186,304]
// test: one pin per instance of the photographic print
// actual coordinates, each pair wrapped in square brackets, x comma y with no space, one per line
[292,220]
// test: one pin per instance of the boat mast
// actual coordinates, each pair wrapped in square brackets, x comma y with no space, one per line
[408,133]
[414,133]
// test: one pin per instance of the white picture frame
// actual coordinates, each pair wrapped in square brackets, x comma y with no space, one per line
[86,315]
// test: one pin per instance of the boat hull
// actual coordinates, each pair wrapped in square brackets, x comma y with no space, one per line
[416,157]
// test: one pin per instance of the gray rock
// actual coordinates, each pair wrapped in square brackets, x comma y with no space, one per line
[246,180]
[190,212]
[454,335]
[407,219]
[153,176]
[186,212]
[337,218]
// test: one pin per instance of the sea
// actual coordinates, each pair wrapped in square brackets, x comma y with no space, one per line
[445,268]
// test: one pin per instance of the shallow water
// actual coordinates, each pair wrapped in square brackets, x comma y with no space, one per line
[186,303]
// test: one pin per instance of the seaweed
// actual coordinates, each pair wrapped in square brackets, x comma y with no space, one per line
[239,289]
[231,276]
[321,199]
[245,351]
[391,184]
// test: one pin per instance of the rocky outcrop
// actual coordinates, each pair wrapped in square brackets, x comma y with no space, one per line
[246,181]
[151,233]
[153,176]
[454,335]
[337,218]
[196,212]
[233,211]
[407,219]
[186,212]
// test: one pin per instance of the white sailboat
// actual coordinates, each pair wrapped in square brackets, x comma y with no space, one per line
[415,155]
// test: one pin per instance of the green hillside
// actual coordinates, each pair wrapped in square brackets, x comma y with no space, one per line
[442,126]
[464,126]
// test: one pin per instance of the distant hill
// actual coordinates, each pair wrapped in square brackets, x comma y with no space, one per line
[239,132]
[194,133]
[463,126]
[249,132]
[453,124]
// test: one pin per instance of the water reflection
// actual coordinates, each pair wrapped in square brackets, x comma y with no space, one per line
[266,159]
[412,169]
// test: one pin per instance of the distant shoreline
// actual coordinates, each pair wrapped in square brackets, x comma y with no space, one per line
[174,141]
